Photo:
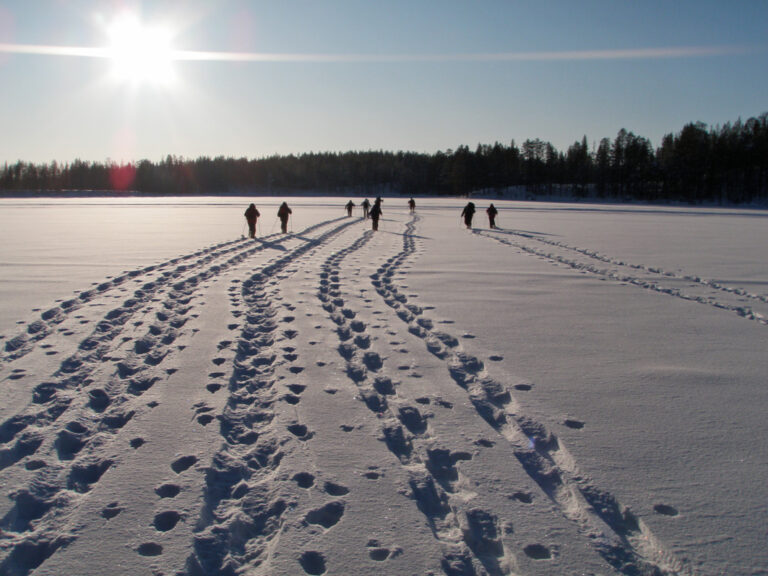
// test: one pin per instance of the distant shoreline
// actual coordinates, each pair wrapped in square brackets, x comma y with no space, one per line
[516,196]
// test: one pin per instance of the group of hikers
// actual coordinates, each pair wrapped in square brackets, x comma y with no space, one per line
[369,212]
[469,212]
[372,213]
[252,216]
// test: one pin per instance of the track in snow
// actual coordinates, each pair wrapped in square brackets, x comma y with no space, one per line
[270,498]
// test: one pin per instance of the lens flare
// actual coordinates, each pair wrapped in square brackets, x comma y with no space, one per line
[140,53]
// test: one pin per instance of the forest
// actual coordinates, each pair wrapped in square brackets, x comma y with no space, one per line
[698,164]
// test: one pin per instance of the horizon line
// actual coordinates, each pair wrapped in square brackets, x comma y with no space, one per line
[330,58]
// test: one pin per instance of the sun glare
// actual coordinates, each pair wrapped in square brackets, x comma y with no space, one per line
[141,54]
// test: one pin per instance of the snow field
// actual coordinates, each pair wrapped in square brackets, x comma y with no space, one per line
[339,401]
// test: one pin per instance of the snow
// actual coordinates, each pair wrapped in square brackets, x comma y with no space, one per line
[581,391]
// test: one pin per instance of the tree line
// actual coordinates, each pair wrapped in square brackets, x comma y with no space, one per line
[727,164]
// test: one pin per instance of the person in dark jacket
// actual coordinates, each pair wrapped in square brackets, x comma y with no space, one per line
[412,205]
[251,215]
[284,213]
[366,207]
[492,212]
[375,214]
[467,213]
[349,207]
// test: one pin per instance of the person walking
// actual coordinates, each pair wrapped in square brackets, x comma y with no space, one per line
[492,212]
[284,213]
[376,214]
[366,207]
[468,213]
[412,205]
[251,215]
[349,207]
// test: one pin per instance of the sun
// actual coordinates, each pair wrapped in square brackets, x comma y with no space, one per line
[141,53]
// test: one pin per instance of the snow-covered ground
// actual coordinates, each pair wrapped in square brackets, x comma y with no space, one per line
[581,391]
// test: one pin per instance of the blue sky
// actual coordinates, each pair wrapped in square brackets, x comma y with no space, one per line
[296,76]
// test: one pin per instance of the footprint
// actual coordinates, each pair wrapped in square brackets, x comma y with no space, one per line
[111,510]
[378,553]
[327,516]
[412,420]
[483,535]
[297,388]
[98,400]
[485,443]
[335,489]
[575,424]
[184,463]
[137,442]
[166,521]
[150,549]
[524,497]
[219,361]
[304,479]
[300,431]
[496,358]
[84,474]
[665,510]
[168,490]
[523,387]
[537,552]
[313,563]
[213,388]
[205,419]
[384,386]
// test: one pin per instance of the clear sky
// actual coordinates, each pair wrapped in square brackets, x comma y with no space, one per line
[125,81]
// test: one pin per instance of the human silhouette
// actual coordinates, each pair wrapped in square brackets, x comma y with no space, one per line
[251,215]
[492,212]
[412,205]
[375,213]
[284,213]
[349,207]
[467,213]
[366,207]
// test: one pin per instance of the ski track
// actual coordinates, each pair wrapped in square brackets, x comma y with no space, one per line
[245,498]
[708,292]
[147,288]
[469,537]
[619,536]
[66,433]
[65,437]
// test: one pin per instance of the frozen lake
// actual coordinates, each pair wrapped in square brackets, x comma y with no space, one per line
[580,391]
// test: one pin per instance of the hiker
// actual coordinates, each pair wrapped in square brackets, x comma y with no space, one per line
[467,213]
[375,213]
[492,212]
[251,215]
[412,205]
[366,207]
[284,213]
[349,207]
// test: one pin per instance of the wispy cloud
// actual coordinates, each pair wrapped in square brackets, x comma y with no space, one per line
[554,56]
